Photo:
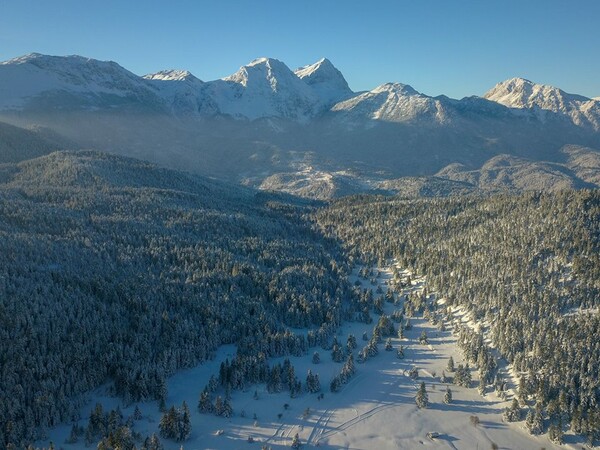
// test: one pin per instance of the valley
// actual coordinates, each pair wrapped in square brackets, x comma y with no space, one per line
[375,409]
[272,260]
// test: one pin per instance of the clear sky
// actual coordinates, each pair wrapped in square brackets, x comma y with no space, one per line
[454,47]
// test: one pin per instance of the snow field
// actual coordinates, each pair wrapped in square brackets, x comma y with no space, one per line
[375,410]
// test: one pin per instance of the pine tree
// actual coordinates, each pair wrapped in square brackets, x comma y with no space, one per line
[450,366]
[218,406]
[400,352]
[73,435]
[522,391]
[152,443]
[312,382]
[529,420]
[185,426]
[400,332]
[448,396]
[421,399]
[316,359]
[204,403]
[335,384]
[388,345]
[513,412]
[535,421]
[316,383]
[227,409]
[481,387]
[169,424]
[336,354]
[555,433]
[348,369]
[137,414]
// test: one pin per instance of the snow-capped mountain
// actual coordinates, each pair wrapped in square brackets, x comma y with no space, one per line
[43,81]
[391,102]
[327,81]
[265,118]
[264,88]
[524,94]
[267,88]
[179,89]
[173,75]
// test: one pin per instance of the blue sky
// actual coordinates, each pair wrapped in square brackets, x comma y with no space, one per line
[457,48]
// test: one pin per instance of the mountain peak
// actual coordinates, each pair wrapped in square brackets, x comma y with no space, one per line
[541,98]
[172,75]
[28,79]
[22,59]
[266,61]
[260,69]
[326,80]
[523,93]
[265,87]
[396,88]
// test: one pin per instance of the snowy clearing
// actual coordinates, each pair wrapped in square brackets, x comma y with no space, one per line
[375,409]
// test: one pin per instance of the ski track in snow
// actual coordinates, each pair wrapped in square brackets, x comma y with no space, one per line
[360,416]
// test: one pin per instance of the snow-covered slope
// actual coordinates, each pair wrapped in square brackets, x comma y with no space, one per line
[264,88]
[179,89]
[258,121]
[524,94]
[65,81]
[326,80]
[392,102]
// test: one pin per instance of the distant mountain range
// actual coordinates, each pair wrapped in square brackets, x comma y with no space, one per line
[304,131]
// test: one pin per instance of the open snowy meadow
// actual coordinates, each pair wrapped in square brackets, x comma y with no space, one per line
[375,409]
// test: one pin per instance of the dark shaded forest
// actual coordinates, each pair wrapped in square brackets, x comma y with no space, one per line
[115,271]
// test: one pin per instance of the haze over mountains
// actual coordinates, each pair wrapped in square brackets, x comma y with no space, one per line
[306,131]
[118,275]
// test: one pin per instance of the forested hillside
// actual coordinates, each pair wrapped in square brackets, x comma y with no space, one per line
[114,270]
[526,268]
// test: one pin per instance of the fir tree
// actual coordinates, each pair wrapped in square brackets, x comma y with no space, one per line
[448,396]
[513,412]
[185,426]
[388,345]
[137,414]
[421,399]
[555,433]
[316,359]
[204,403]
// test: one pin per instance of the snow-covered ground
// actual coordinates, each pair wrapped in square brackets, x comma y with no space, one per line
[375,410]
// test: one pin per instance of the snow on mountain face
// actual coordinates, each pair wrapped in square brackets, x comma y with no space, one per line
[28,77]
[179,89]
[264,88]
[326,80]
[524,94]
[267,88]
[173,75]
[392,102]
